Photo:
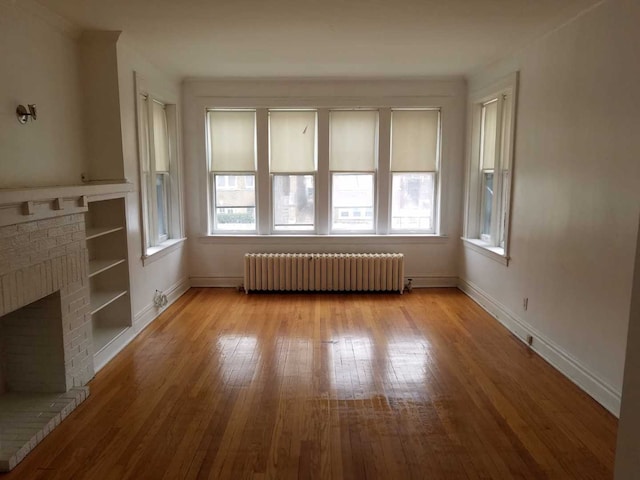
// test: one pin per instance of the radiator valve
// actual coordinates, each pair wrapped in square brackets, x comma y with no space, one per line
[408,287]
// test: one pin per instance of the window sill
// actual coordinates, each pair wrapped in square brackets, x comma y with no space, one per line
[494,253]
[279,239]
[165,248]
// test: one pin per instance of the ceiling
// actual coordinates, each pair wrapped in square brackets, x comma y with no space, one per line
[327,38]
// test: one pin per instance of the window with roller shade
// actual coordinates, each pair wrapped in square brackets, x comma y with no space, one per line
[324,171]
[352,164]
[414,169]
[292,165]
[490,166]
[232,167]
[155,149]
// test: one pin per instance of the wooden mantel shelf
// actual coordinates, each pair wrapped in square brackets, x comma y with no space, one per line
[21,205]
[12,196]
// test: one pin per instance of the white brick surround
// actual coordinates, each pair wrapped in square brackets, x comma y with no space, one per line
[46,343]
[39,258]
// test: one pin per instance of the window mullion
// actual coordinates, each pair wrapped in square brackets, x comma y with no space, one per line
[383,186]
[263,180]
[322,186]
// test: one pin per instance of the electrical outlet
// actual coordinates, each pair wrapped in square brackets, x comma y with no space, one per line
[525,303]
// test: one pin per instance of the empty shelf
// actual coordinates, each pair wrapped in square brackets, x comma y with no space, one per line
[99,300]
[94,232]
[99,266]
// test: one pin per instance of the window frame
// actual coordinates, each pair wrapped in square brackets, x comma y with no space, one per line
[211,186]
[284,230]
[214,195]
[346,231]
[323,194]
[152,242]
[496,244]
[434,204]
[436,178]
[314,174]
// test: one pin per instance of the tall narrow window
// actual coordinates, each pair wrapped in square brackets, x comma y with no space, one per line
[158,125]
[415,142]
[489,173]
[292,163]
[495,167]
[155,151]
[161,163]
[488,138]
[352,163]
[232,166]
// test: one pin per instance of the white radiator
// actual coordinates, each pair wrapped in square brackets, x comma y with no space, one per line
[302,272]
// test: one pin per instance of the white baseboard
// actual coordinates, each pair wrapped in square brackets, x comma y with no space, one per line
[568,365]
[149,313]
[432,281]
[114,347]
[418,281]
[222,282]
[140,321]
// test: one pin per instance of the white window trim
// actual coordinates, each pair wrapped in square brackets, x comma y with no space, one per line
[323,105]
[210,186]
[471,238]
[436,180]
[153,249]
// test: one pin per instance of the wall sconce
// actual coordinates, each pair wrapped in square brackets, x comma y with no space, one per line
[23,113]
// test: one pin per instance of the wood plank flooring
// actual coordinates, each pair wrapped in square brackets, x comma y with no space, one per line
[424,385]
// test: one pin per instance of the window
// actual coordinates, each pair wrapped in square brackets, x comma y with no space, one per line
[292,163]
[159,162]
[232,167]
[348,170]
[490,165]
[352,163]
[157,155]
[414,163]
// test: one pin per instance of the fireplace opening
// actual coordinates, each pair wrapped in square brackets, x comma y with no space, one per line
[31,348]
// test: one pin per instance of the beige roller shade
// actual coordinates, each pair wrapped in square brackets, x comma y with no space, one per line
[232,140]
[160,137]
[489,125]
[353,140]
[414,140]
[292,138]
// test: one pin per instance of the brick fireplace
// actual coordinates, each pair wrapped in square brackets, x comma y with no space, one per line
[46,346]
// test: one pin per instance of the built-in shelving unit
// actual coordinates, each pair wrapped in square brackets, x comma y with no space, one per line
[108,271]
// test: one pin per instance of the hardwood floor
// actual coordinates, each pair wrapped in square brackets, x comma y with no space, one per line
[424,385]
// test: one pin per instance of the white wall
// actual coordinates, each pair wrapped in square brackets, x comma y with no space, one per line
[219,261]
[576,197]
[628,447]
[40,64]
[168,273]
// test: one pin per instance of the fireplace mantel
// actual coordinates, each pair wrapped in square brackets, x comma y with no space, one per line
[21,205]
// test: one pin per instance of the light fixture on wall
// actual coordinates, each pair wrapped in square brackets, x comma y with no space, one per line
[23,113]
